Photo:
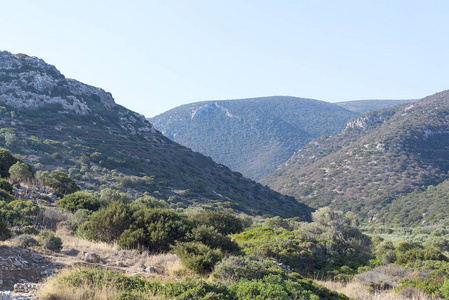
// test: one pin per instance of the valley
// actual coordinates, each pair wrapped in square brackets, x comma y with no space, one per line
[97,203]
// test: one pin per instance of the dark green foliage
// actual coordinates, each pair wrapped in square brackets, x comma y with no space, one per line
[6,161]
[234,268]
[19,212]
[61,183]
[277,223]
[444,289]
[137,226]
[415,254]
[79,200]
[271,287]
[20,171]
[5,196]
[210,237]
[109,223]
[224,222]
[48,240]
[5,185]
[197,257]
[4,231]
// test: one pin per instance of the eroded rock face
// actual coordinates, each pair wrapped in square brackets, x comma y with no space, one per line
[29,82]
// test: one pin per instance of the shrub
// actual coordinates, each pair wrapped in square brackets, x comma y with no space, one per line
[4,231]
[234,268]
[19,212]
[107,196]
[271,287]
[137,226]
[25,240]
[444,289]
[48,240]
[277,223]
[20,171]
[80,217]
[6,161]
[79,200]
[109,223]
[6,196]
[211,237]
[197,257]
[157,228]
[420,254]
[5,185]
[225,222]
[60,182]
[29,230]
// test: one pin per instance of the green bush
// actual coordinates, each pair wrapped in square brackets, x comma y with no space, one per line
[444,289]
[277,223]
[5,185]
[211,237]
[6,196]
[19,212]
[419,254]
[234,268]
[109,223]
[60,182]
[20,171]
[225,222]
[271,287]
[25,240]
[48,240]
[136,226]
[29,230]
[197,257]
[79,218]
[79,200]
[4,231]
[6,161]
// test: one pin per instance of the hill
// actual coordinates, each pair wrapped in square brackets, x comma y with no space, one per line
[251,136]
[59,123]
[364,106]
[384,162]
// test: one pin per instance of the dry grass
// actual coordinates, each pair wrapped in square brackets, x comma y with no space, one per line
[357,290]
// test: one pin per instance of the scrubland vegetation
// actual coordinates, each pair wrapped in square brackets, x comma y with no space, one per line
[217,254]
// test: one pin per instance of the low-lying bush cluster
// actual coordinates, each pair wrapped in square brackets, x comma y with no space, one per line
[269,287]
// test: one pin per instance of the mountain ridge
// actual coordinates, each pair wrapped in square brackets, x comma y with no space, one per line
[252,135]
[102,144]
[380,157]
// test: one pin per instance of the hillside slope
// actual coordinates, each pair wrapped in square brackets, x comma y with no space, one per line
[251,136]
[364,106]
[55,122]
[375,163]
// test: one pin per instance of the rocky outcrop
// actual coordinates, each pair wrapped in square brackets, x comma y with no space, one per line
[371,119]
[29,82]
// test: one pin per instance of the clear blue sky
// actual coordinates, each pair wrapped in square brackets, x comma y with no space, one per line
[155,55]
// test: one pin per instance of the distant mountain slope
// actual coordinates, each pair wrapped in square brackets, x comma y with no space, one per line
[375,162]
[252,136]
[54,122]
[364,106]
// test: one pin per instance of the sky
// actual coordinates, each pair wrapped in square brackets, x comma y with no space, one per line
[156,55]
